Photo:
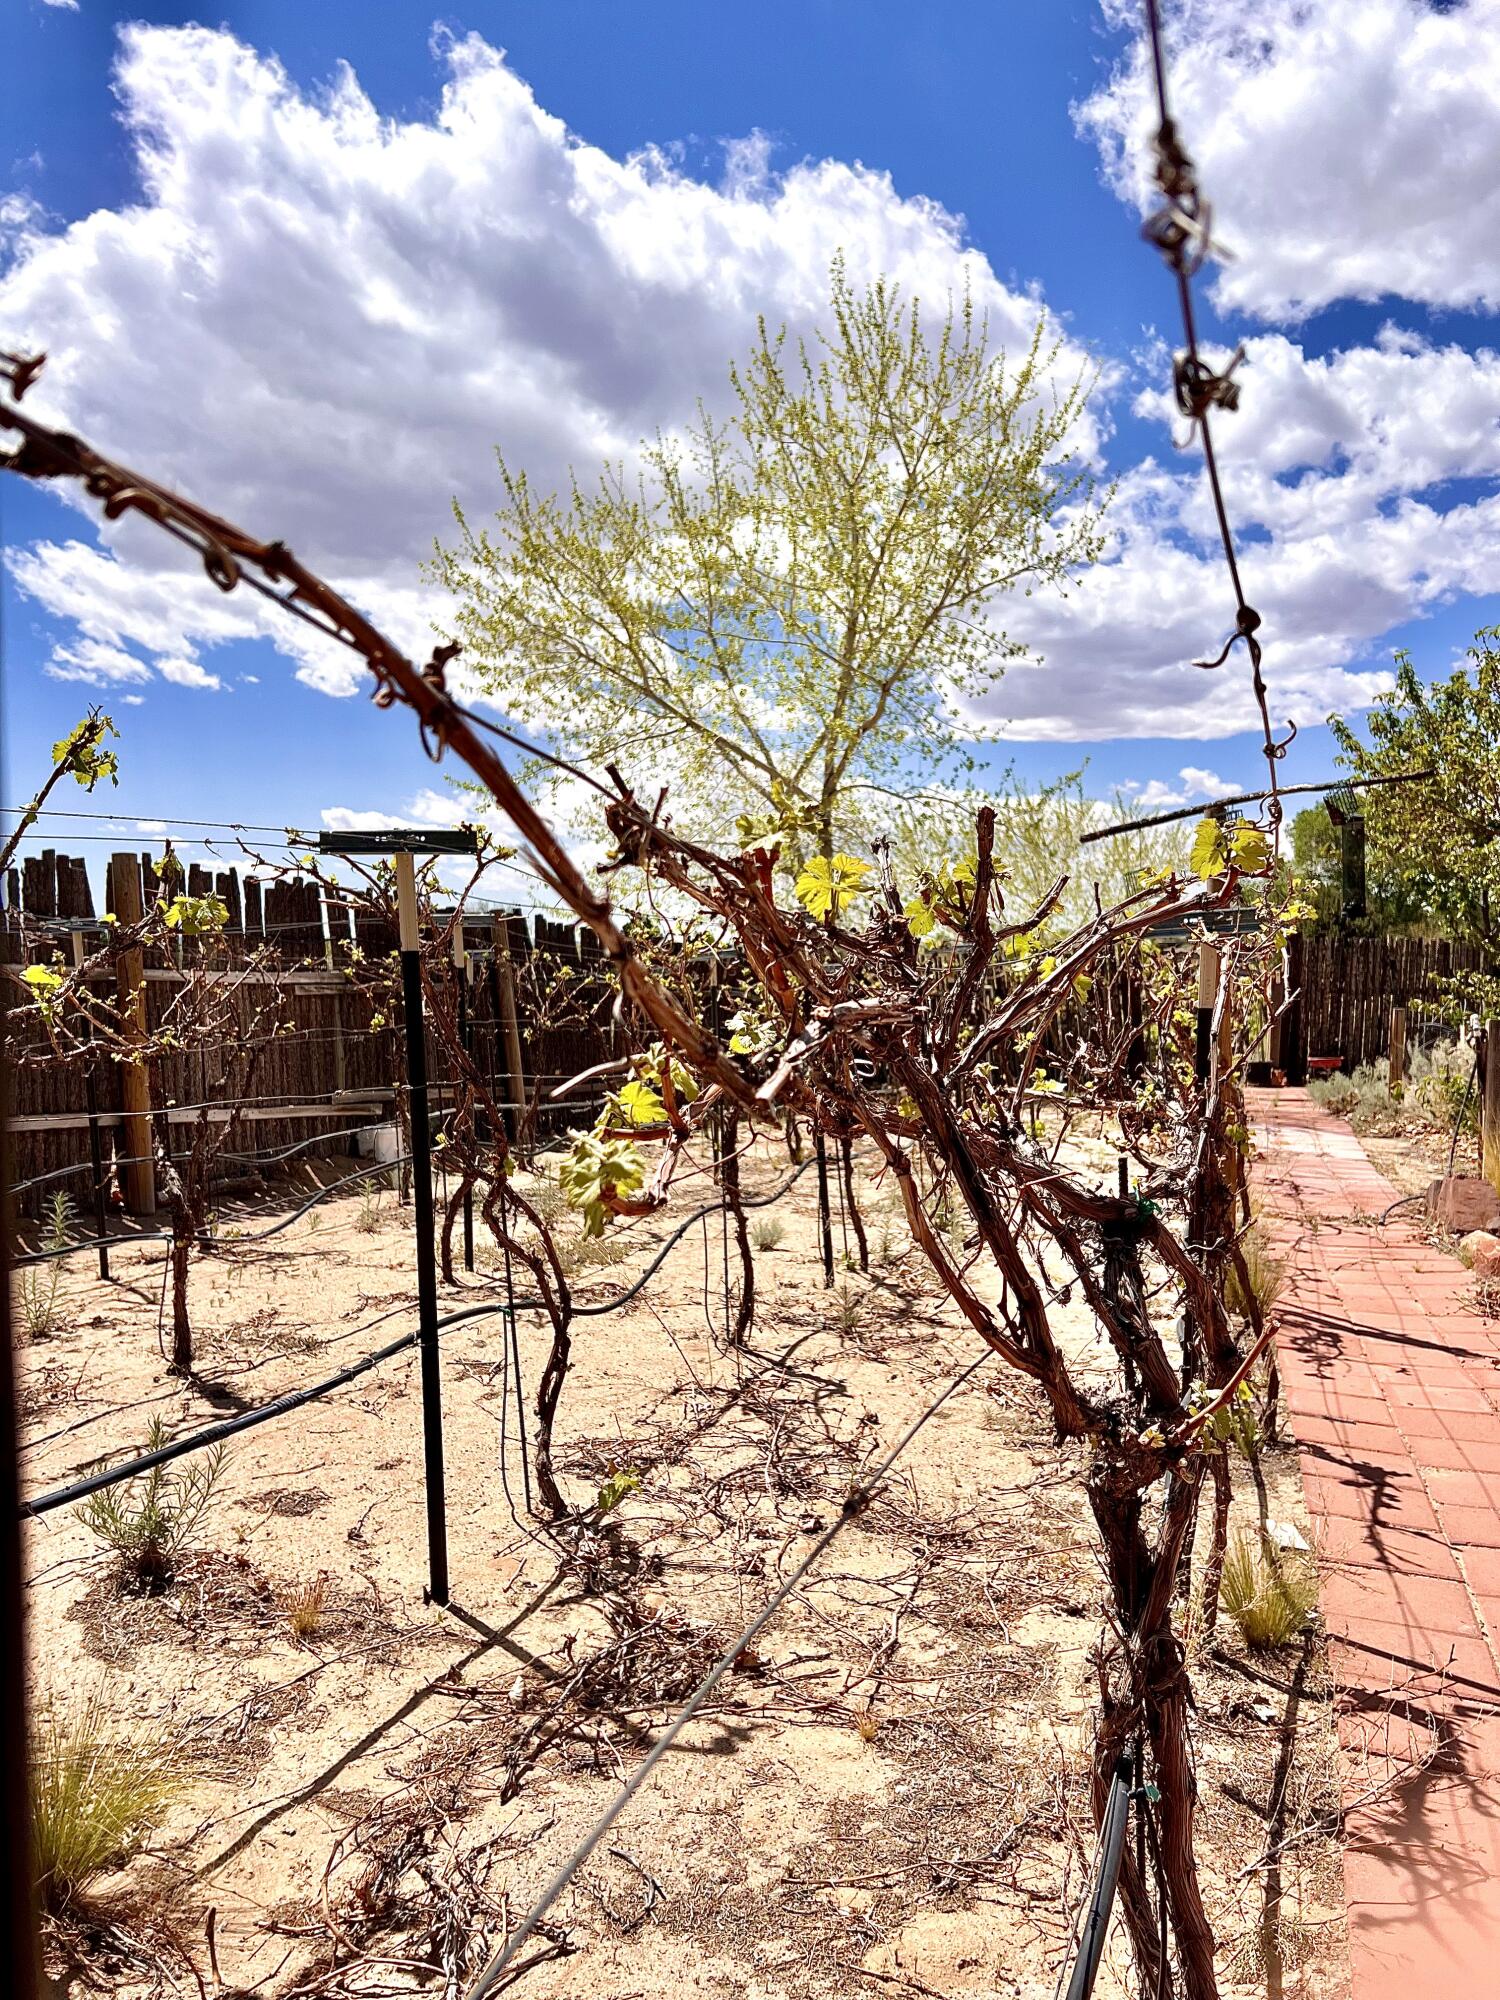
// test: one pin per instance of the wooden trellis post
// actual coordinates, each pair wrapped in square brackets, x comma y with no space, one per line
[509,1026]
[137,1170]
[1490,1108]
[1398,1050]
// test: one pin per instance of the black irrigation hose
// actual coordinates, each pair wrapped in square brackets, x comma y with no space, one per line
[369,1173]
[294,1399]
[855,1502]
[1106,1876]
[709,1208]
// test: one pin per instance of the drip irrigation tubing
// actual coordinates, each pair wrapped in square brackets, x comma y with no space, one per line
[204,1241]
[858,1498]
[1106,1875]
[294,1399]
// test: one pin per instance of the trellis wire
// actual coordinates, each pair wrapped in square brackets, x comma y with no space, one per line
[210,1434]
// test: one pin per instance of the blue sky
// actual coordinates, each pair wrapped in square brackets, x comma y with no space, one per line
[1366,279]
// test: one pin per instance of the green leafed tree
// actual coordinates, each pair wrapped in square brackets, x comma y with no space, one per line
[784,605]
[1435,846]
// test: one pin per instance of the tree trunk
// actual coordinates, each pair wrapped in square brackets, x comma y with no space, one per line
[1154,1699]
[182,1329]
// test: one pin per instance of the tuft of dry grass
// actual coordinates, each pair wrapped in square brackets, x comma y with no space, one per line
[98,1787]
[304,1605]
[1268,1593]
[1266,1275]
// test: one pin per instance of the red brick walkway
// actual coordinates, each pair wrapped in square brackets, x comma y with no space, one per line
[1392,1385]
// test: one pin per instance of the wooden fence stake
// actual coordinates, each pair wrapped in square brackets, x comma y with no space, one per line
[505,992]
[1490,1113]
[1398,1050]
[96,1148]
[137,1168]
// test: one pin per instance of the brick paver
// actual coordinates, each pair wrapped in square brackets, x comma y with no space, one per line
[1392,1384]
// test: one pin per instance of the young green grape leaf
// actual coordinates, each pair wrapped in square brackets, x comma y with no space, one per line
[1249,848]
[825,888]
[618,1487]
[1210,854]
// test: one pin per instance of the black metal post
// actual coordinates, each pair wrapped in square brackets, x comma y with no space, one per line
[421,1189]
[1101,1902]
[825,1217]
[17,1875]
[1208,993]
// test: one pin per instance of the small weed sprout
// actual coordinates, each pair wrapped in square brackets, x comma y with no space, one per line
[1268,1593]
[147,1521]
[767,1232]
[304,1606]
[39,1282]
[851,1307]
[97,1790]
[368,1219]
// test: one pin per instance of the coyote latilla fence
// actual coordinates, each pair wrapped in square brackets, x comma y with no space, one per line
[334,1068]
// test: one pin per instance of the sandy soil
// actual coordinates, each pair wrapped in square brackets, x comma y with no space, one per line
[889,1797]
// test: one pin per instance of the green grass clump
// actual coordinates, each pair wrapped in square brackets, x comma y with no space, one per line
[98,1788]
[766,1233]
[1266,1275]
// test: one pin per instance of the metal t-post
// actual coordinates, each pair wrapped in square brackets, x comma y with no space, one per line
[421,1182]
[96,1150]
[825,1216]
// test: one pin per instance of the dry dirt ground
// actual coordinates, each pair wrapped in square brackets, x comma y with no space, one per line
[890,1796]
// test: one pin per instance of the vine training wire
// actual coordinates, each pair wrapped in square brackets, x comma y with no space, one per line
[210,1434]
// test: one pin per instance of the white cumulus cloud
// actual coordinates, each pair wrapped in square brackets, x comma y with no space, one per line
[1350,148]
[322,321]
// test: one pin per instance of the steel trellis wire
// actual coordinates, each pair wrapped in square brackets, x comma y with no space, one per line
[1180,230]
[295,1399]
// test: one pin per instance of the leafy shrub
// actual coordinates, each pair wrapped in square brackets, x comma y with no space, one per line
[1435,1093]
[767,1232]
[97,1790]
[1268,1592]
[147,1521]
